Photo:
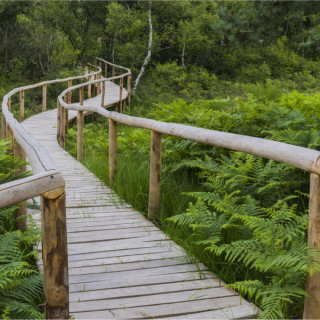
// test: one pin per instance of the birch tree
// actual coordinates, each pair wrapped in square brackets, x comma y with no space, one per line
[146,61]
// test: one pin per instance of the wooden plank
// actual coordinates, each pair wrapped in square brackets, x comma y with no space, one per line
[131,258]
[124,254]
[153,299]
[244,311]
[188,269]
[143,281]
[143,290]
[140,265]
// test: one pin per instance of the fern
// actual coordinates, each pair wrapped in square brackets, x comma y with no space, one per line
[248,218]
[20,281]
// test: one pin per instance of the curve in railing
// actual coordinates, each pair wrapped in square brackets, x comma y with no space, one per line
[303,158]
[46,181]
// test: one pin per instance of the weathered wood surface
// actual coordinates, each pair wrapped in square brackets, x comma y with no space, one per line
[120,265]
[111,97]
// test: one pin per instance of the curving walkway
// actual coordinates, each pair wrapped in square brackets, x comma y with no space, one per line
[120,265]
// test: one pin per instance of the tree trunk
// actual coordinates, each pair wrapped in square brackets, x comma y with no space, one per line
[182,55]
[146,61]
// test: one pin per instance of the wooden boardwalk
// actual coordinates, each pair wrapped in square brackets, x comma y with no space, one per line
[120,265]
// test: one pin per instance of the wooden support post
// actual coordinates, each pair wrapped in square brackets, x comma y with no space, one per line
[55,257]
[112,151]
[81,96]
[62,128]
[312,303]
[105,70]
[3,126]
[9,136]
[44,97]
[9,104]
[129,91]
[120,98]
[113,72]
[100,63]
[70,92]
[103,93]
[21,105]
[89,88]
[21,212]
[80,124]
[99,84]
[58,119]
[94,86]
[155,175]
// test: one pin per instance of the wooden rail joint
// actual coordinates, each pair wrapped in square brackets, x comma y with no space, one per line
[54,194]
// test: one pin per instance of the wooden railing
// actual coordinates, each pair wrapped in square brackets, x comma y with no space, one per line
[303,158]
[46,181]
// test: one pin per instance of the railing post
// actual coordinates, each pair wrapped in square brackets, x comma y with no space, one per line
[95,85]
[67,98]
[129,91]
[70,92]
[9,104]
[312,302]
[3,126]
[58,119]
[99,84]
[89,87]
[112,151]
[113,72]
[21,212]
[80,125]
[105,70]
[80,136]
[21,105]
[81,96]
[103,93]
[120,98]
[44,97]
[155,175]
[9,136]
[62,127]
[55,255]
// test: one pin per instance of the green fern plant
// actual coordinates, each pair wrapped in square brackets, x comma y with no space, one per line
[20,281]
[249,217]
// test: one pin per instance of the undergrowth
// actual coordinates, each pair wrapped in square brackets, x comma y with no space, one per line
[243,216]
[20,281]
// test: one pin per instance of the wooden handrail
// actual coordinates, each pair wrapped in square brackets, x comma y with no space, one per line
[302,158]
[30,187]
[48,182]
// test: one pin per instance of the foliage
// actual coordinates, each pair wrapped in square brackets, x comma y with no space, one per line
[248,216]
[245,215]
[20,281]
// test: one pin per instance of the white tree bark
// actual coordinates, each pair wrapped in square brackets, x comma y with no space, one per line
[182,55]
[146,61]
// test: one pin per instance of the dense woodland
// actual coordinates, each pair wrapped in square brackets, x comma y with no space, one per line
[250,68]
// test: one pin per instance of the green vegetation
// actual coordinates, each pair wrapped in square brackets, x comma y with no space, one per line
[250,68]
[245,217]
[20,281]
